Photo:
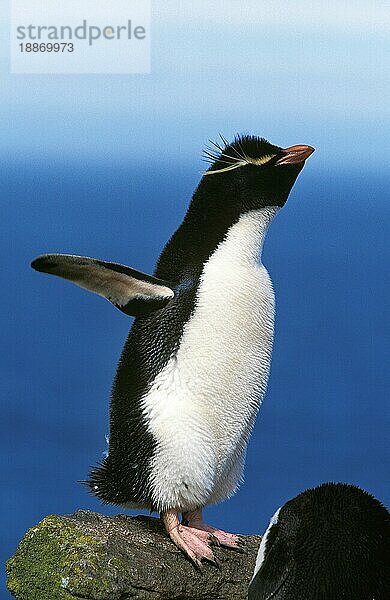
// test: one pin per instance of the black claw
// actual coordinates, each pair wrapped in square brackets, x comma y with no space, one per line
[214,540]
[197,564]
[213,561]
[239,549]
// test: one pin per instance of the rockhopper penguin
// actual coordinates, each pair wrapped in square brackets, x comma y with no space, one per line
[331,542]
[194,368]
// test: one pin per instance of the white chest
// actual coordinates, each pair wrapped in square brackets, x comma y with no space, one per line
[204,402]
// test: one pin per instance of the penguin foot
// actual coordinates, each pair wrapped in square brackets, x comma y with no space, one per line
[195,546]
[194,521]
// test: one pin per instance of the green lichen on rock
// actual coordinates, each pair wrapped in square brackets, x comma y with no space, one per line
[56,559]
[90,556]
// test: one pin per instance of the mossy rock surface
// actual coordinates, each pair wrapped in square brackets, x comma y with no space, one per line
[87,555]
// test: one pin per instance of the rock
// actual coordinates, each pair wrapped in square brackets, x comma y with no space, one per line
[87,555]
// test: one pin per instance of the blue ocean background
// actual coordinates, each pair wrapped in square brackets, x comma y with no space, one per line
[105,166]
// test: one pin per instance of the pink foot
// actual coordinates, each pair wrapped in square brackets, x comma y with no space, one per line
[193,520]
[196,547]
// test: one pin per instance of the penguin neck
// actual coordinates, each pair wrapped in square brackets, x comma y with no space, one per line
[199,238]
[249,232]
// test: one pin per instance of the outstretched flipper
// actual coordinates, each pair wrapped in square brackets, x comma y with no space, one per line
[133,292]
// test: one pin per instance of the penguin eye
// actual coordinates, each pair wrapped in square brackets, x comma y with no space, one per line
[263,160]
[234,162]
[244,150]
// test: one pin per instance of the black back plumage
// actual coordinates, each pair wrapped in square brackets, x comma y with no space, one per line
[329,543]
[217,204]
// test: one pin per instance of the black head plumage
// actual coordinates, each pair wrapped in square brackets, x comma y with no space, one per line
[245,149]
[328,543]
[247,174]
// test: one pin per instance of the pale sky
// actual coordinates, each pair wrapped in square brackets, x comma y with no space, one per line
[295,72]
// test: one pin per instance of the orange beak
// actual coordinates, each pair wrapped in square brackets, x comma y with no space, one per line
[294,155]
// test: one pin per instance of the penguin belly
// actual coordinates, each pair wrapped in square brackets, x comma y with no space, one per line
[201,407]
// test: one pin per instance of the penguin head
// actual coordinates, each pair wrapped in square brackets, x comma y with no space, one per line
[251,173]
[329,542]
